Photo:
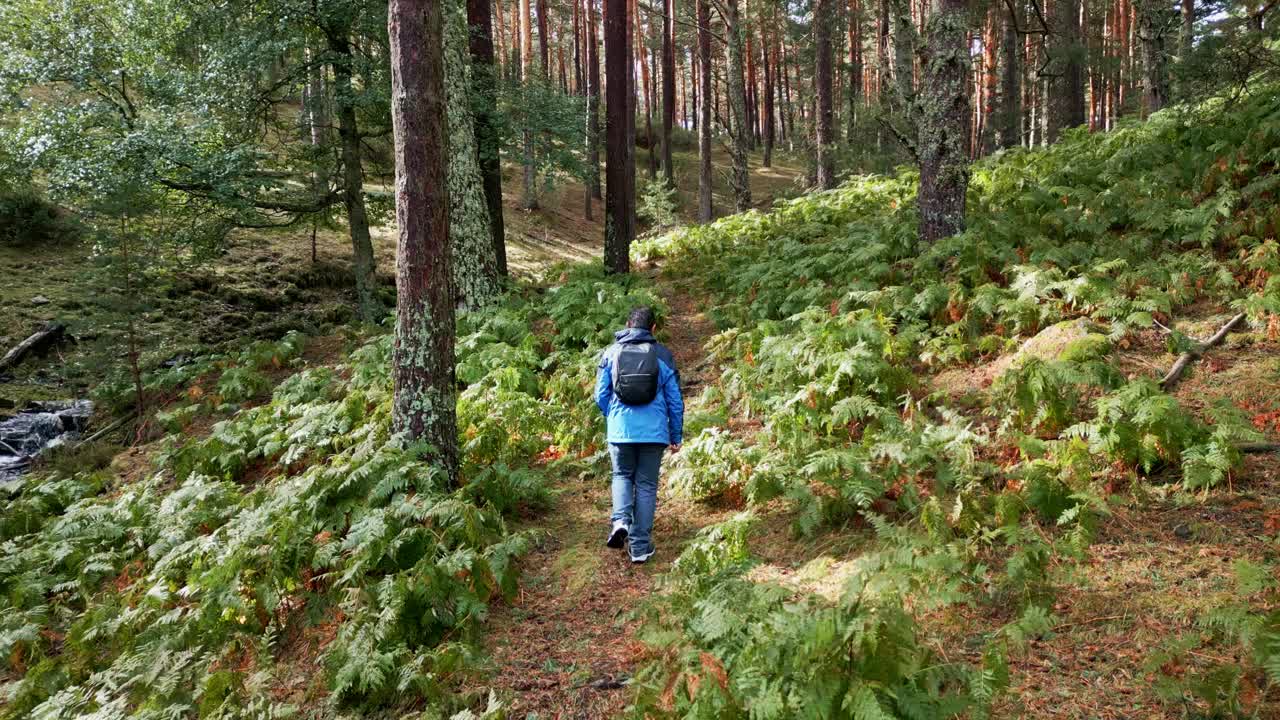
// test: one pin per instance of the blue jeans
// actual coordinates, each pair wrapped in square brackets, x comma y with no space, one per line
[635,489]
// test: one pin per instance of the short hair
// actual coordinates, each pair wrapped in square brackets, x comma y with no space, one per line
[641,317]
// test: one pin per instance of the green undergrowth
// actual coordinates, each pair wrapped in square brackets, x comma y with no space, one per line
[833,325]
[297,559]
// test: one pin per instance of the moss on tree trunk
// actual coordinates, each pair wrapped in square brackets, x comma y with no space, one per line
[475,266]
[425,404]
[484,83]
[945,117]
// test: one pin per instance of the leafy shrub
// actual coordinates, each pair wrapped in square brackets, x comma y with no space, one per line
[1046,396]
[712,464]
[27,219]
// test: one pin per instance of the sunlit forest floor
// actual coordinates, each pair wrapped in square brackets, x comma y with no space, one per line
[266,284]
[559,232]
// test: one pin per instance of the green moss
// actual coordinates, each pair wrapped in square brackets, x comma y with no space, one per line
[1090,347]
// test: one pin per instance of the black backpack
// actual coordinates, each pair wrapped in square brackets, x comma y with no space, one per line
[635,373]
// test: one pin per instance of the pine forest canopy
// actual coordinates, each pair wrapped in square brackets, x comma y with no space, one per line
[211,117]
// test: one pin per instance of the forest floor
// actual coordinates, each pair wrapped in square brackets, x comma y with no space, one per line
[558,231]
[566,647]
[268,283]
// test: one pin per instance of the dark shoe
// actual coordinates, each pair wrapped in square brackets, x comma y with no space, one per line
[618,535]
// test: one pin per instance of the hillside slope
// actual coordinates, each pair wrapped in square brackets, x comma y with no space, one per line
[893,529]
[937,521]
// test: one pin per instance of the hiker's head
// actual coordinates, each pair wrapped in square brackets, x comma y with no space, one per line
[642,318]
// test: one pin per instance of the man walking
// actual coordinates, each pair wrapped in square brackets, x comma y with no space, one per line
[638,390]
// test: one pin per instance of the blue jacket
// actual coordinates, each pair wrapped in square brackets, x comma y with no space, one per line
[661,421]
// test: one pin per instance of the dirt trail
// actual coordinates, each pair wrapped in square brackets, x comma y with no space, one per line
[566,647]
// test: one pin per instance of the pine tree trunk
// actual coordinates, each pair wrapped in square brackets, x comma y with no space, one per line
[1008,119]
[528,73]
[580,30]
[475,265]
[316,113]
[903,37]
[769,66]
[705,209]
[369,307]
[1151,29]
[650,101]
[752,107]
[619,148]
[1187,38]
[578,87]
[498,36]
[682,72]
[854,94]
[697,77]
[988,85]
[784,93]
[642,56]
[668,87]
[544,54]
[593,101]
[945,119]
[739,178]
[484,77]
[1066,92]
[633,95]
[823,142]
[425,404]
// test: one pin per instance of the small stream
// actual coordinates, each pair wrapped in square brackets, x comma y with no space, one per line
[41,426]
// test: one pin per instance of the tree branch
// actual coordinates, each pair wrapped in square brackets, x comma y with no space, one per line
[902,138]
[1171,378]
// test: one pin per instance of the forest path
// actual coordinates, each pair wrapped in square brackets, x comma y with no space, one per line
[566,646]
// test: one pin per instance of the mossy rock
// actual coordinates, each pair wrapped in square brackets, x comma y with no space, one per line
[1071,340]
[234,320]
[322,275]
[277,329]
[262,300]
[333,313]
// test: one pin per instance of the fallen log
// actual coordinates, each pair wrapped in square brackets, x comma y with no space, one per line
[107,429]
[1175,373]
[42,339]
[1258,447]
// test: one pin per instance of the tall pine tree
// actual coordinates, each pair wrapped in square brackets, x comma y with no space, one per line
[425,402]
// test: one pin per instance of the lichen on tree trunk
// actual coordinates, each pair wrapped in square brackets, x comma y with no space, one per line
[475,266]
[945,117]
[484,84]
[425,388]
